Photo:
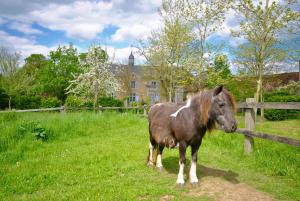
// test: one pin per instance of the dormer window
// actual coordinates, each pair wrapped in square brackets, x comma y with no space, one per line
[153,84]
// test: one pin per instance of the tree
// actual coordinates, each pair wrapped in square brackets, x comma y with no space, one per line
[28,75]
[206,17]
[261,25]
[125,77]
[59,69]
[167,49]
[8,67]
[219,73]
[97,79]
[221,65]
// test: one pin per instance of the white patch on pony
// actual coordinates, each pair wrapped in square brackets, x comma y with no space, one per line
[180,177]
[158,161]
[187,105]
[150,162]
[157,104]
[193,174]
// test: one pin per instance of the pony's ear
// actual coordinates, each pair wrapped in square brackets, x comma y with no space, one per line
[218,90]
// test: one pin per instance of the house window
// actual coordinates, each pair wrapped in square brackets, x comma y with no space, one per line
[154,97]
[132,84]
[132,97]
[153,84]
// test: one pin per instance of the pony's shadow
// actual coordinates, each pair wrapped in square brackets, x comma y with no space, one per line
[171,166]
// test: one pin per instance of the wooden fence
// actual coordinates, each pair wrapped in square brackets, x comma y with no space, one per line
[249,107]
[63,109]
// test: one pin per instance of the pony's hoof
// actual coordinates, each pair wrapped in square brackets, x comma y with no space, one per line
[160,168]
[194,184]
[150,163]
[180,185]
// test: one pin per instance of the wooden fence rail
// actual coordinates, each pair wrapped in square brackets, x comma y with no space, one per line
[63,109]
[250,106]
[273,105]
[35,110]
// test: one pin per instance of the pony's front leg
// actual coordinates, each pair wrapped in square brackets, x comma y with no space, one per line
[159,156]
[182,150]
[193,169]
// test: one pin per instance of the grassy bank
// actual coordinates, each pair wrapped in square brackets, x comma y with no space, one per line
[102,157]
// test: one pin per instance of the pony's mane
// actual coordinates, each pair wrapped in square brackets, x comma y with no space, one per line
[202,102]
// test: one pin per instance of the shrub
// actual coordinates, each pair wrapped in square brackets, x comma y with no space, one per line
[26,102]
[281,96]
[110,102]
[35,129]
[3,99]
[73,101]
[48,102]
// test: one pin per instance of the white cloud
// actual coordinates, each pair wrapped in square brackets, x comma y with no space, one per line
[85,19]
[24,28]
[120,55]
[2,20]
[23,45]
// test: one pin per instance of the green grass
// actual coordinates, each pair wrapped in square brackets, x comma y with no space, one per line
[287,128]
[102,157]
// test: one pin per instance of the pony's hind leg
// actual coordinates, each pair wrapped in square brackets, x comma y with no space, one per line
[151,160]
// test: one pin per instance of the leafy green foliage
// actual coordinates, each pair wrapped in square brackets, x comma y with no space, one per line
[73,101]
[109,102]
[26,102]
[3,99]
[241,87]
[281,96]
[35,129]
[221,66]
[59,69]
[48,102]
[97,78]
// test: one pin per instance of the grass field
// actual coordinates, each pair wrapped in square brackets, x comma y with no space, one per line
[102,157]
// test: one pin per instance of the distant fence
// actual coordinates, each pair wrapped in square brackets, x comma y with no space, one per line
[249,106]
[63,109]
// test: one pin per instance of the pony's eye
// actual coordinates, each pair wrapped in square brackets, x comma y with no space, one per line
[221,104]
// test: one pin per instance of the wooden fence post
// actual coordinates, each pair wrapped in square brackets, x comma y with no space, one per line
[62,110]
[145,111]
[249,125]
[100,109]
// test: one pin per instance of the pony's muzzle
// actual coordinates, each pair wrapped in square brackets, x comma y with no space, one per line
[233,126]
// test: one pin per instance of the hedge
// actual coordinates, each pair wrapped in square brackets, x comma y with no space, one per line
[74,101]
[48,102]
[281,96]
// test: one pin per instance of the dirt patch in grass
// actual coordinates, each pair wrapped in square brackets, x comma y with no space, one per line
[167,198]
[221,190]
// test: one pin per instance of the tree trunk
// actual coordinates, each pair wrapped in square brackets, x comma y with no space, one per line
[95,101]
[9,103]
[170,95]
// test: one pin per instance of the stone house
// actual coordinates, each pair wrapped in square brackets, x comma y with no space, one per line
[139,88]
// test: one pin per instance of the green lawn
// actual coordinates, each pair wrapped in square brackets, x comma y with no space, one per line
[288,128]
[102,157]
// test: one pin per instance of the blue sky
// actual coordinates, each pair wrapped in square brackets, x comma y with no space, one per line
[40,26]
[37,26]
